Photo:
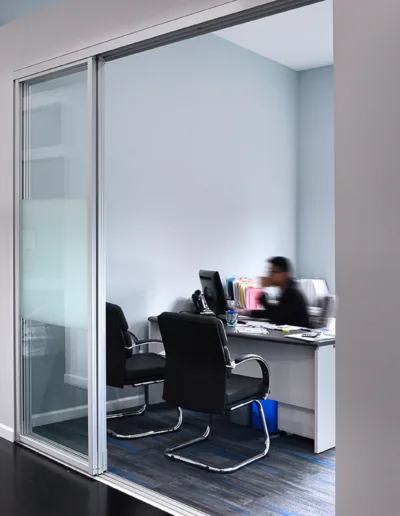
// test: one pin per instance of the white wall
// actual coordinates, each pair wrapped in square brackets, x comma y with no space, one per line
[367,181]
[316,199]
[201,169]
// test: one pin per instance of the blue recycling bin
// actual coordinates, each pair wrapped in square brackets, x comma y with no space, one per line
[271,415]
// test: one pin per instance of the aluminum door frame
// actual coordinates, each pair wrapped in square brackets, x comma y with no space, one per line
[96,461]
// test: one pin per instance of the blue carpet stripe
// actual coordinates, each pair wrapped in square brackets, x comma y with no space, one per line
[281,512]
[327,463]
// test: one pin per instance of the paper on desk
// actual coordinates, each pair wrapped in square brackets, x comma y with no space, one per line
[287,327]
[327,332]
[261,324]
[299,336]
[259,330]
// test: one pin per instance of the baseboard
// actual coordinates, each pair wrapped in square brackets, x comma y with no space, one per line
[6,432]
[76,381]
[58,416]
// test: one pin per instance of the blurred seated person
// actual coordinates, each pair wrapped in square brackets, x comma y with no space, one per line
[291,308]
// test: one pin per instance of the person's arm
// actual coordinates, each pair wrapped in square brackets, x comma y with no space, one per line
[278,314]
[259,314]
[289,310]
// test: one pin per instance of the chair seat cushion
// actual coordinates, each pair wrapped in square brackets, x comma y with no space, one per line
[144,367]
[243,388]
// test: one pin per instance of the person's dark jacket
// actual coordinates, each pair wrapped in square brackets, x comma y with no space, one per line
[291,309]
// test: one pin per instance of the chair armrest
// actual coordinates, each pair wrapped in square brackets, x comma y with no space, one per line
[266,375]
[148,341]
[136,347]
[137,342]
[141,342]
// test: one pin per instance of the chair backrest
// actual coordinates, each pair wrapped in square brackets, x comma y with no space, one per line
[327,309]
[197,359]
[314,290]
[117,337]
[326,306]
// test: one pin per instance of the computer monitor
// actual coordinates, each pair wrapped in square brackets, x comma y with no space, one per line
[213,291]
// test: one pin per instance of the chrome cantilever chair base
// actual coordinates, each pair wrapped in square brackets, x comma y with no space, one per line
[170,453]
[139,412]
[150,433]
[121,415]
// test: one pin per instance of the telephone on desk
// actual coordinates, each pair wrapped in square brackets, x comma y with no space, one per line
[202,307]
[200,304]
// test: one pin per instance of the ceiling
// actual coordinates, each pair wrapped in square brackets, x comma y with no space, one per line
[300,39]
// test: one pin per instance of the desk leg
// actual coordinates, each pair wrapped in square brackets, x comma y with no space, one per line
[324,425]
[154,393]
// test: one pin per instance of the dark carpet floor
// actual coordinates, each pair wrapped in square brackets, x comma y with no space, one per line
[290,481]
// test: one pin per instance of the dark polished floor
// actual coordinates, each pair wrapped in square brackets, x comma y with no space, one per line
[291,481]
[31,485]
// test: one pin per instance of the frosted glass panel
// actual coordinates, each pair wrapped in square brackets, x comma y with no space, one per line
[54,252]
[54,245]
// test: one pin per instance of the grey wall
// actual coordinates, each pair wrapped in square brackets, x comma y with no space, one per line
[316,210]
[201,169]
[367,183]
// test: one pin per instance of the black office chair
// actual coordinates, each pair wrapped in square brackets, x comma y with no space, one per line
[326,306]
[127,367]
[199,377]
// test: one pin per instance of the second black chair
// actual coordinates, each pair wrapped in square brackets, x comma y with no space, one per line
[126,366]
[199,377]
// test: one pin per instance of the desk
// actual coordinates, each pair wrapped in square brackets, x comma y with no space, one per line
[302,380]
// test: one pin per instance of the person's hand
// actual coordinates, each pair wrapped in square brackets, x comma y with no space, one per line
[242,311]
[260,297]
[265,281]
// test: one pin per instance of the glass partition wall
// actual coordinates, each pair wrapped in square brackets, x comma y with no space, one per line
[59,283]
[58,330]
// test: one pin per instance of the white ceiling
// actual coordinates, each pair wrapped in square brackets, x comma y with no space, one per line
[300,39]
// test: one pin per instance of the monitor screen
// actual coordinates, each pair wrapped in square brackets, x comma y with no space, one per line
[213,291]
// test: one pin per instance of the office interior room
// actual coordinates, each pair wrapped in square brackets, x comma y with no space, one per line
[218,155]
[366,186]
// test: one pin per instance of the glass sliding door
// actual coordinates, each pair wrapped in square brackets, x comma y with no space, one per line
[56,242]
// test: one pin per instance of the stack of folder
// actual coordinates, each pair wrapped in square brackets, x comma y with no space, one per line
[244,292]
